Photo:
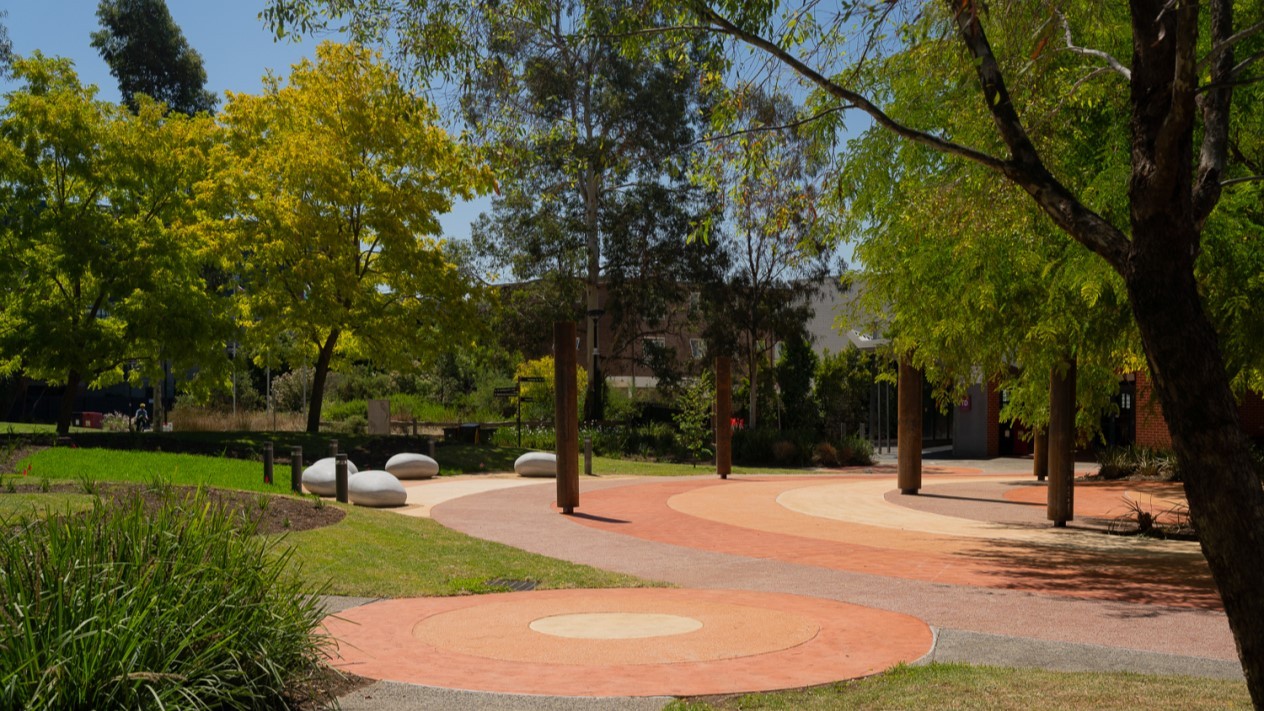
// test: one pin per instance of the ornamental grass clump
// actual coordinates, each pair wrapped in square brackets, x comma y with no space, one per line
[138,605]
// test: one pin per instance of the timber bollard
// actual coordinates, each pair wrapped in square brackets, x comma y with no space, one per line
[267,463]
[296,469]
[340,478]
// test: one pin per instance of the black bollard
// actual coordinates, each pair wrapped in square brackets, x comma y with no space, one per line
[333,447]
[296,469]
[267,462]
[340,478]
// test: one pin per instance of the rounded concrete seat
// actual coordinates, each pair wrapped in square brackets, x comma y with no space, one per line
[536,464]
[408,465]
[319,477]
[376,488]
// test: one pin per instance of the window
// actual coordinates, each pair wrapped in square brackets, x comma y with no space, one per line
[1125,401]
[697,348]
[651,342]
[695,301]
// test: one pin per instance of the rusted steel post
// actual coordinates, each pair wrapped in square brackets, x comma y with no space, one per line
[567,415]
[1062,446]
[296,469]
[340,478]
[909,442]
[723,416]
[1040,456]
[267,462]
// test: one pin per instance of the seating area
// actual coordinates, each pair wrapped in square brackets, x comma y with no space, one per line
[376,488]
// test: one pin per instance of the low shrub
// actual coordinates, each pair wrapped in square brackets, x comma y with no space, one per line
[1143,462]
[129,606]
[115,422]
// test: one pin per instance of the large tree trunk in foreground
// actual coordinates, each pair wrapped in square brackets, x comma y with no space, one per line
[318,381]
[67,411]
[1226,500]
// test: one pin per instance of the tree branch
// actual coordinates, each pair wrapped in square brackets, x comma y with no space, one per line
[724,26]
[1247,179]
[1113,64]
[1228,43]
[768,129]
[1215,105]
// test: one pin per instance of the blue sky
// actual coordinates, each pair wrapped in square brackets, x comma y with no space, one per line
[237,50]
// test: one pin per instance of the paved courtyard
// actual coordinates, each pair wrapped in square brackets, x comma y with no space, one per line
[789,581]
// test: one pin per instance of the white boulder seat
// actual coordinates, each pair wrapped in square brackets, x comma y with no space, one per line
[408,465]
[536,464]
[376,488]
[319,477]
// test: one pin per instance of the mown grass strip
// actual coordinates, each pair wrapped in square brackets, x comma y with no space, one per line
[383,554]
[966,687]
[77,464]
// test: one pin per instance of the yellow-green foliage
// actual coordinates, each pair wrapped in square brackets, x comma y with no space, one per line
[542,396]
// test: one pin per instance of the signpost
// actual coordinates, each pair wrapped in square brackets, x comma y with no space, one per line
[515,392]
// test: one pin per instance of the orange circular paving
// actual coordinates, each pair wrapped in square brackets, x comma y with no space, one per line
[623,642]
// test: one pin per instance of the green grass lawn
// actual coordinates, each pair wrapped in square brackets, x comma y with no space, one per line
[962,686]
[375,553]
[67,463]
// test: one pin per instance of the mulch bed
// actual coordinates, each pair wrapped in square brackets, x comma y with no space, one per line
[271,513]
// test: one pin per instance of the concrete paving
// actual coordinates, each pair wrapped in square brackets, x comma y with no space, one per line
[996,584]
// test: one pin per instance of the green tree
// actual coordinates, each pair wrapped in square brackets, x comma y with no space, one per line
[840,390]
[148,54]
[592,145]
[6,44]
[795,370]
[330,187]
[103,265]
[769,175]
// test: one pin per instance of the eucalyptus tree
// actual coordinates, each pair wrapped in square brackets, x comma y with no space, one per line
[588,133]
[148,54]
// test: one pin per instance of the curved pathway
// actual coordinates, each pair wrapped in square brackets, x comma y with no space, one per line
[972,557]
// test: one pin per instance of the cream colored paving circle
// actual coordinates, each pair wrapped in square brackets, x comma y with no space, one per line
[834,509]
[865,503]
[615,625]
[508,631]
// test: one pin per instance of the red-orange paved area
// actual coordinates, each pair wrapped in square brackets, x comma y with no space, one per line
[744,517]
[1115,499]
[733,641]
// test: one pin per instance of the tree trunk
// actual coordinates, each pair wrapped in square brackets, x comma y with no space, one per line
[68,398]
[753,395]
[318,381]
[594,408]
[1226,500]
[908,440]
[1060,506]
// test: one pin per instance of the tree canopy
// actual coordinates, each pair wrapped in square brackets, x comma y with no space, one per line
[103,269]
[148,54]
[330,186]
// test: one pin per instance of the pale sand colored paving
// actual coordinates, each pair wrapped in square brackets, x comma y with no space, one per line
[426,494]
[840,505]
[615,625]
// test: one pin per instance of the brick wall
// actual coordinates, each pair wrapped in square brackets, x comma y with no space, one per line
[1151,427]
[1252,413]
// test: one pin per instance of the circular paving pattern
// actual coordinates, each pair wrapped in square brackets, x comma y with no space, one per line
[626,642]
[615,625]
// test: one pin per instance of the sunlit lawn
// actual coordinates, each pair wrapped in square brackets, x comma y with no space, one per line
[962,686]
